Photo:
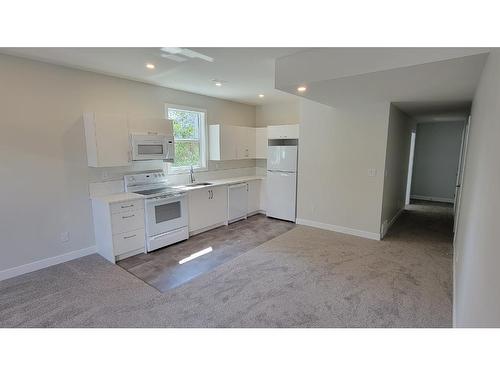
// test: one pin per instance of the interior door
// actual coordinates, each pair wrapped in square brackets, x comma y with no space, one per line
[460,175]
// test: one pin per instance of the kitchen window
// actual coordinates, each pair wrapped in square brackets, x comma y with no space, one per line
[190,137]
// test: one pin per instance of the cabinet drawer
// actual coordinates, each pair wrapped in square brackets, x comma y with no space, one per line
[127,221]
[125,242]
[127,206]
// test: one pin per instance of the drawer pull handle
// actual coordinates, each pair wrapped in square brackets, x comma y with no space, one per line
[128,217]
[130,205]
[127,237]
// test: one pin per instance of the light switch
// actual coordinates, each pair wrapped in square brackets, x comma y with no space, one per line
[372,172]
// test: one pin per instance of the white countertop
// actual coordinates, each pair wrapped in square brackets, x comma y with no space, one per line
[123,197]
[118,197]
[220,182]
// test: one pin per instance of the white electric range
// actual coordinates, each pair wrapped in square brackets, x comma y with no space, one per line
[166,211]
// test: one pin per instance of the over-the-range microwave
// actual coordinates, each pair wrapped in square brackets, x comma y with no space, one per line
[152,147]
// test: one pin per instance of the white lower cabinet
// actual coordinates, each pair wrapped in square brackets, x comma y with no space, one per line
[119,228]
[126,242]
[237,202]
[207,208]
[263,195]
[253,196]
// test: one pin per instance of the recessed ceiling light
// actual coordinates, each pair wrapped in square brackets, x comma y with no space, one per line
[218,82]
[150,66]
[261,95]
[301,88]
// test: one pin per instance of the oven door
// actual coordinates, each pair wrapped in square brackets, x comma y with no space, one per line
[164,214]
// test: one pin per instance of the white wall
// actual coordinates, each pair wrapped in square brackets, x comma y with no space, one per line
[44,174]
[279,113]
[477,244]
[337,147]
[396,166]
[437,153]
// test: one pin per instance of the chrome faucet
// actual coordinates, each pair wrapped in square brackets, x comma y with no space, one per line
[191,174]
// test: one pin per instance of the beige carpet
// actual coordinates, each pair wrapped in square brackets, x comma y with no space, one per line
[304,278]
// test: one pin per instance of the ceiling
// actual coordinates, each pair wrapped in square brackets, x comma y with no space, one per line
[420,81]
[447,109]
[245,72]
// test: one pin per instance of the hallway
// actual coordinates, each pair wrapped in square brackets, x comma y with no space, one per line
[425,220]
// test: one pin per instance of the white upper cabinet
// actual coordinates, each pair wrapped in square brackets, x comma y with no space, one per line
[231,142]
[260,143]
[107,139]
[245,137]
[139,124]
[283,132]
[108,136]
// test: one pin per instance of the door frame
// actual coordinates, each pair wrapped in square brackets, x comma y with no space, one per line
[460,176]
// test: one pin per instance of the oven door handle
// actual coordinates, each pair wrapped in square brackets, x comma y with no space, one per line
[165,199]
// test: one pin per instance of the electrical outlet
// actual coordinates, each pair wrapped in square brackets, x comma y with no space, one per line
[64,236]
[372,172]
[105,175]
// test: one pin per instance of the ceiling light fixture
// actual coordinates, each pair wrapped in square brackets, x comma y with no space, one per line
[150,66]
[261,95]
[175,58]
[218,82]
[301,88]
[188,53]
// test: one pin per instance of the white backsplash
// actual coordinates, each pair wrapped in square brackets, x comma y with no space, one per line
[261,167]
[114,184]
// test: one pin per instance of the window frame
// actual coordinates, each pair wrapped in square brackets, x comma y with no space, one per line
[203,139]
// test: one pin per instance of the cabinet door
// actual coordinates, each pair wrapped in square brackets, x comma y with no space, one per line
[261,143]
[242,151]
[283,132]
[250,141]
[150,125]
[253,196]
[112,140]
[207,207]
[199,209]
[245,140]
[218,205]
[263,195]
[229,140]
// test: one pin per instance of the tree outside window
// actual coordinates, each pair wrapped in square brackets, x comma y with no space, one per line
[189,134]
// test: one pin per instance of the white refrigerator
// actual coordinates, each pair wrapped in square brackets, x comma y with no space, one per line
[282,179]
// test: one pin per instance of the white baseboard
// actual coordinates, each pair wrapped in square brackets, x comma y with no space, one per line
[338,228]
[44,263]
[432,199]
[386,226]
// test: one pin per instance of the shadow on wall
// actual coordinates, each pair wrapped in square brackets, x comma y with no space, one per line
[77,211]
